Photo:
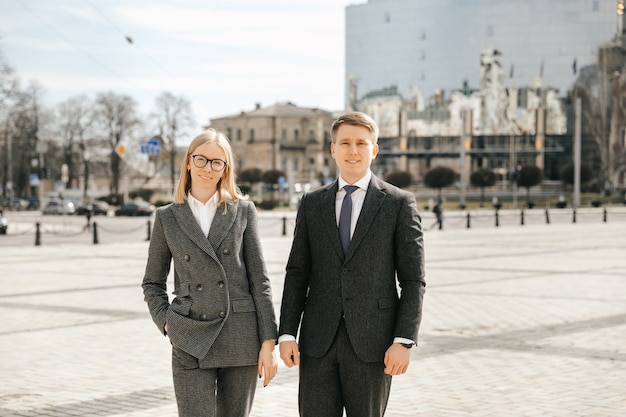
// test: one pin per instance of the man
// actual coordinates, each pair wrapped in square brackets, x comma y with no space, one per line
[360,306]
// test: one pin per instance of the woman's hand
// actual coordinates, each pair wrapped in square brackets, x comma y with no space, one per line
[268,363]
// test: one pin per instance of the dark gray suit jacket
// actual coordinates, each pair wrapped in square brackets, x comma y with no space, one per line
[386,255]
[222,310]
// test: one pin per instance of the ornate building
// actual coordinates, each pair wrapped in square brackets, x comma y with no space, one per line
[295,140]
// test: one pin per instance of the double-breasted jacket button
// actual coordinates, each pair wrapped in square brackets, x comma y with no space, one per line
[202,316]
[220,284]
[222,314]
[199,287]
[339,300]
[226,251]
[187,258]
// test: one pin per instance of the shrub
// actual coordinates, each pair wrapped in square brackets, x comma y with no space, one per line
[401,179]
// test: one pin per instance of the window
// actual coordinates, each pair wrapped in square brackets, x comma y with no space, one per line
[251,135]
[522,98]
[238,134]
[296,164]
[229,133]
[296,135]
[283,135]
[311,135]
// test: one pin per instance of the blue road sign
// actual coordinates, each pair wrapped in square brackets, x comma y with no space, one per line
[151,147]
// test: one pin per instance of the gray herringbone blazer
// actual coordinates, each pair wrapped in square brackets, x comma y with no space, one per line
[386,253]
[222,307]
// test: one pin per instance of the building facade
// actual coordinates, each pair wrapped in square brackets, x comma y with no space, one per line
[285,137]
[427,46]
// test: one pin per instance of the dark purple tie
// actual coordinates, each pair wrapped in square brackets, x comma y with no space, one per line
[345,218]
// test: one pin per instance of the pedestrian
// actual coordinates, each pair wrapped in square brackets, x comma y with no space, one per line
[341,296]
[438,210]
[88,211]
[221,321]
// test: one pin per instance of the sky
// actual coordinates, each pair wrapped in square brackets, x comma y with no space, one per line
[224,56]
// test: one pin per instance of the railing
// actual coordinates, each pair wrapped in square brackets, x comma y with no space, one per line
[282,223]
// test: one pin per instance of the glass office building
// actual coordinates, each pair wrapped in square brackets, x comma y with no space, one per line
[430,45]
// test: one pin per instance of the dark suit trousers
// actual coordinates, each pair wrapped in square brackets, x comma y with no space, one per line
[214,392]
[341,380]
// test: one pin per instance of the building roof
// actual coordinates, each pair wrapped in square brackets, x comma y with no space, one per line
[286,109]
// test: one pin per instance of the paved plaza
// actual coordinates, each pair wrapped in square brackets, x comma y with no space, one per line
[518,321]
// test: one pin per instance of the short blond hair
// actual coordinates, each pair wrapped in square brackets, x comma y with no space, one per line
[227,189]
[355,118]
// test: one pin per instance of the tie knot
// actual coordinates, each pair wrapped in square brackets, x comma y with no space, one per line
[350,188]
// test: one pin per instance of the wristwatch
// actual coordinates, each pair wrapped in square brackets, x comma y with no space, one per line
[408,345]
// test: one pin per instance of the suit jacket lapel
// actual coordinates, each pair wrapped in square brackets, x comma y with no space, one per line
[374,198]
[222,223]
[187,223]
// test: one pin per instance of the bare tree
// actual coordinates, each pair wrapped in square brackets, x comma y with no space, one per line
[116,116]
[73,118]
[23,123]
[8,83]
[172,115]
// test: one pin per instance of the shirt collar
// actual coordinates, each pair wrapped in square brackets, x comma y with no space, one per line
[194,202]
[363,183]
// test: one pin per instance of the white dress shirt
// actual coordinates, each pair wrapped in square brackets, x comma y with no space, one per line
[203,213]
[358,197]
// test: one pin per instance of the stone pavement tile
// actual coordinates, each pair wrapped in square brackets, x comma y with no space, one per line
[518,321]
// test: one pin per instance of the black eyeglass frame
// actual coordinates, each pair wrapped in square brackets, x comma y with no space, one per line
[208,161]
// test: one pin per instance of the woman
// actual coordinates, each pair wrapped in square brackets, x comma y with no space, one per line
[221,321]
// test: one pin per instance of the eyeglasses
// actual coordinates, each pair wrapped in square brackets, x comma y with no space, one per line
[201,161]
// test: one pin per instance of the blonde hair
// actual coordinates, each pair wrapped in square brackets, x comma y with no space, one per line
[355,119]
[227,190]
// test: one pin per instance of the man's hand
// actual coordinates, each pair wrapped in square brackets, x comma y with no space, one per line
[397,359]
[289,353]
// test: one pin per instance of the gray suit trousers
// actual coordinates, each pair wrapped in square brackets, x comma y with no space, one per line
[212,392]
[340,380]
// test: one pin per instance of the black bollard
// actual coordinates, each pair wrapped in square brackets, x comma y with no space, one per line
[604,216]
[547,217]
[497,218]
[37,234]
[574,216]
[149,228]
[95,233]
[468,220]
[522,217]
[284,226]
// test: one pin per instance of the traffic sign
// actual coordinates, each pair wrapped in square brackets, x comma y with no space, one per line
[120,150]
[34,180]
[151,147]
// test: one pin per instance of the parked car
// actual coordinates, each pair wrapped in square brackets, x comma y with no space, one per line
[59,207]
[4,224]
[15,203]
[97,207]
[33,203]
[136,208]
